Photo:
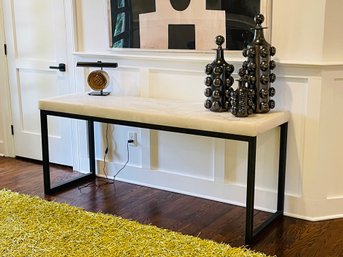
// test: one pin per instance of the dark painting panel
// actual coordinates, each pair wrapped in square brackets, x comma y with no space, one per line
[125,22]
[181,36]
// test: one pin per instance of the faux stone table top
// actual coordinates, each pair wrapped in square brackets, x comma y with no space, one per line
[165,112]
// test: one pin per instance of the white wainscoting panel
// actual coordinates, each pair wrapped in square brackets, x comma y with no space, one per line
[332,134]
[336,137]
[292,95]
[125,81]
[177,84]
[182,154]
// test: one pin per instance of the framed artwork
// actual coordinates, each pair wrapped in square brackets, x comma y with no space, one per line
[183,24]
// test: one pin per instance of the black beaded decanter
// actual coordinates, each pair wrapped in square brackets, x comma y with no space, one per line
[257,69]
[242,99]
[219,81]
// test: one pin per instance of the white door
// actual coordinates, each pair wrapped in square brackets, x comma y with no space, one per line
[5,134]
[36,39]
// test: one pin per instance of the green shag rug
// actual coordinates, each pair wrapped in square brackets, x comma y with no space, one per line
[31,226]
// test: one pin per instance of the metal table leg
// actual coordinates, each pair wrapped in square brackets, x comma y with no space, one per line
[45,151]
[282,167]
[46,162]
[91,147]
[250,232]
[249,226]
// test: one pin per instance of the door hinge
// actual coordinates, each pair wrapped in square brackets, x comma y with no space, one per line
[12,130]
[5,49]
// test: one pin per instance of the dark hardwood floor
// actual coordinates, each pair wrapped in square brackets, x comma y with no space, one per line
[188,215]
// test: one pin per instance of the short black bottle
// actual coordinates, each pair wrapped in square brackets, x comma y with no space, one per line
[241,100]
[218,81]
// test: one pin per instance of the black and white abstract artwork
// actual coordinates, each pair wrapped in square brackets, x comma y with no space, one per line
[181,24]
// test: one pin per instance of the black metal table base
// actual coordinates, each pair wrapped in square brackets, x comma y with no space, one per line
[250,232]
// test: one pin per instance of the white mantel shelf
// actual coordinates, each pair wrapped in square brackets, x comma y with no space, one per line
[173,113]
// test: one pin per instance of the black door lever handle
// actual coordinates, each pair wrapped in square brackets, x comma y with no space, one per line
[61,67]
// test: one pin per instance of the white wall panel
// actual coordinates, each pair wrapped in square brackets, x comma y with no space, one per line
[266,161]
[294,36]
[177,84]
[184,154]
[92,25]
[30,90]
[30,42]
[335,168]
[332,127]
[333,37]
[117,144]
[292,95]
[236,162]
[125,81]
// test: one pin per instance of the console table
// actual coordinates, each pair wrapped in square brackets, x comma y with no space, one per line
[174,116]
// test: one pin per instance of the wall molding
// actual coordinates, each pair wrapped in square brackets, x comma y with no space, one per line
[178,183]
[194,56]
[173,180]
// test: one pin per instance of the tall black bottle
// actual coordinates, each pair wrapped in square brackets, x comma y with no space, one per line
[257,69]
[218,81]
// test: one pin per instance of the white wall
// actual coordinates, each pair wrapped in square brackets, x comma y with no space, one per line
[298,30]
[333,40]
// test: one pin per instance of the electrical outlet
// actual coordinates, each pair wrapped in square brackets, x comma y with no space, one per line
[132,136]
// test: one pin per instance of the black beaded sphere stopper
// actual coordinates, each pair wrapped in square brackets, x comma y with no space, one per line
[220,40]
[259,19]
